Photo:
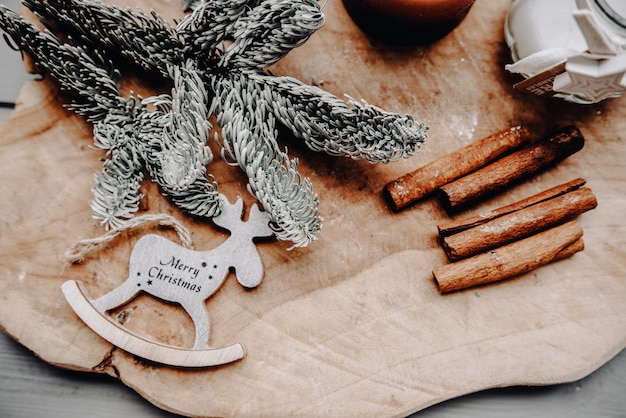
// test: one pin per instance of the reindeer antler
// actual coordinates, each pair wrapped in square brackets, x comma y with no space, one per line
[260,221]
[230,218]
[231,213]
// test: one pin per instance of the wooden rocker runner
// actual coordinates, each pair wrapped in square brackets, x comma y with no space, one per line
[176,274]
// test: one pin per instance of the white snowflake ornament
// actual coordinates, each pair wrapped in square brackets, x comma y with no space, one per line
[593,79]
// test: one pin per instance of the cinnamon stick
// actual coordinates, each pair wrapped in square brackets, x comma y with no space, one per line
[518,224]
[512,259]
[425,180]
[462,224]
[514,167]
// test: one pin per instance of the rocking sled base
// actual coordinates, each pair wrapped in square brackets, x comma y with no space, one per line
[149,350]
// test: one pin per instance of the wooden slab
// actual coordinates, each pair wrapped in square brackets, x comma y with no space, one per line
[353,324]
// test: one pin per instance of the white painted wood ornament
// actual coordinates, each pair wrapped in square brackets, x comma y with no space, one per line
[570,49]
[176,274]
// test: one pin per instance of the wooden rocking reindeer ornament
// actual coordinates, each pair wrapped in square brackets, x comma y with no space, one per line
[176,274]
[217,58]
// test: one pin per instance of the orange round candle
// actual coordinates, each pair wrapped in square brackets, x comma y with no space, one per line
[408,21]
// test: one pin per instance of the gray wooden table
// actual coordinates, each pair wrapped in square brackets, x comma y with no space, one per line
[31,388]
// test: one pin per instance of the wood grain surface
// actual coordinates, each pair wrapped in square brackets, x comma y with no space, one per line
[353,324]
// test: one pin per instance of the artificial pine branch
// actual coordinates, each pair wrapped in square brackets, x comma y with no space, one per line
[174,138]
[88,79]
[216,56]
[326,123]
[170,142]
[147,41]
[116,192]
[256,41]
[204,31]
[249,140]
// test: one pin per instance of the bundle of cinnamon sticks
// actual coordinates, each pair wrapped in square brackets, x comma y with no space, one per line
[483,168]
[514,239]
[510,240]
